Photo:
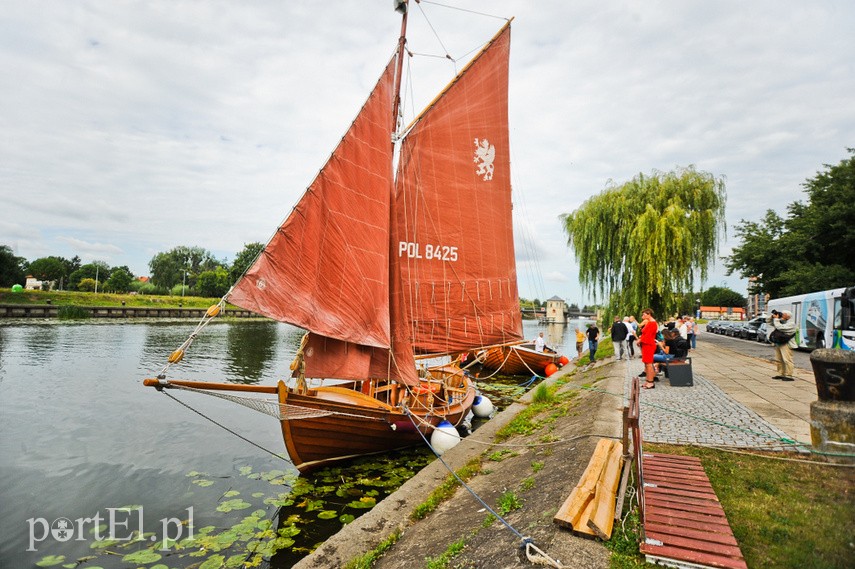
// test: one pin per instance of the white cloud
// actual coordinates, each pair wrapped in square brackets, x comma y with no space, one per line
[139,127]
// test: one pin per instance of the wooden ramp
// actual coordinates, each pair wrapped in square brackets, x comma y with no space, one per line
[684,524]
[682,520]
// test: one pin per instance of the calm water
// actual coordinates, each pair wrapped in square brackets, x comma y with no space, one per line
[80,435]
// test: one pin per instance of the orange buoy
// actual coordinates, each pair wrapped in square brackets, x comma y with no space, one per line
[563,361]
[213,311]
[550,369]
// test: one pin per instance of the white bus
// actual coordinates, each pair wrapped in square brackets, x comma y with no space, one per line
[824,319]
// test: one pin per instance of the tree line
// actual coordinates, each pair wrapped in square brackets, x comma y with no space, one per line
[181,270]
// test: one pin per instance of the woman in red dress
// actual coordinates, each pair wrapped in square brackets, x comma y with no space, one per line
[647,342]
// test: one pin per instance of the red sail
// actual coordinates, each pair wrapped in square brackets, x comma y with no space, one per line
[452,235]
[327,267]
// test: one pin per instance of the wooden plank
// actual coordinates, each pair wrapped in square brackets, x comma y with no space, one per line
[700,558]
[687,493]
[693,534]
[690,520]
[603,516]
[572,512]
[688,543]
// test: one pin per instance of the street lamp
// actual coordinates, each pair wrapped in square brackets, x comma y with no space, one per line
[183,286]
[698,304]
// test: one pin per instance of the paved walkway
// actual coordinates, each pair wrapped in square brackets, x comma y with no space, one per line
[734,402]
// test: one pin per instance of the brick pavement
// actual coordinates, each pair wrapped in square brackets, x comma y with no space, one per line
[734,403]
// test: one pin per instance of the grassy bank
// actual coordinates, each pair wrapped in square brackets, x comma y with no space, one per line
[65,298]
[784,513]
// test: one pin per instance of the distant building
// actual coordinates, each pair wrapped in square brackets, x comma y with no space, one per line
[555,310]
[34,284]
[756,302]
[723,312]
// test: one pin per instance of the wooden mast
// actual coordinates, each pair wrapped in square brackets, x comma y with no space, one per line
[403,7]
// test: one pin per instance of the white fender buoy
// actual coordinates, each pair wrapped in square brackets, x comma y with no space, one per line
[444,437]
[482,407]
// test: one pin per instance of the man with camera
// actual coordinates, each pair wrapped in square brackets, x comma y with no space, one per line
[783,337]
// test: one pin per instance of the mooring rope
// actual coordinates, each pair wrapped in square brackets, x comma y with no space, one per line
[538,556]
[235,433]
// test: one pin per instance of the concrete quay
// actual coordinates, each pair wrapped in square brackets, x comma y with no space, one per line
[734,403]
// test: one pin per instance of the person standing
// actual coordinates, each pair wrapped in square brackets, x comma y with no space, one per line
[618,333]
[593,334]
[580,342]
[782,321]
[647,343]
[692,331]
[630,338]
[539,343]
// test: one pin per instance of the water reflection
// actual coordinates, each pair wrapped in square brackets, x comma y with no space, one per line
[250,347]
[40,343]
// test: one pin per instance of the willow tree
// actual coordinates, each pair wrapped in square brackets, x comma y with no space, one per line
[643,243]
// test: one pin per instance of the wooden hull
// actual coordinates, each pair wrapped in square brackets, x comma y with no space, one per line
[338,422]
[520,359]
[352,424]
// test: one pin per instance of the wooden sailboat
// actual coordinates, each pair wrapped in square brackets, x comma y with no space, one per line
[520,359]
[381,265]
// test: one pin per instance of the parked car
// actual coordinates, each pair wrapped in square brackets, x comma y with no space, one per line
[763,333]
[733,329]
[751,327]
[713,326]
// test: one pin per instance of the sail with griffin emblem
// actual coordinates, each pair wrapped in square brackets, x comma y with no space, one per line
[382,265]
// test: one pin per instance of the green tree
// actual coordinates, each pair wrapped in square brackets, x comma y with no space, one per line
[722,296]
[244,259]
[120,280]
[213,283]
[813,248]
[643,243]
[49,269]
[86,284]
[168,269]
[96,270]
[12,268]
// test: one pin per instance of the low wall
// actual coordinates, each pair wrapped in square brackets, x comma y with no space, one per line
[52,311]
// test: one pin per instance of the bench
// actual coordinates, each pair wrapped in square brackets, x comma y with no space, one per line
[679,372]
[683,523]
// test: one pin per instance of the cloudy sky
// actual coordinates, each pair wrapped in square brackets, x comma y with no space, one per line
[128,128]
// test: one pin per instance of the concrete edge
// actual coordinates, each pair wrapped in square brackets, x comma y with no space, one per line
[393,512]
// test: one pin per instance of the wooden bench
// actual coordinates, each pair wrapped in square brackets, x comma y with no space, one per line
[683,523]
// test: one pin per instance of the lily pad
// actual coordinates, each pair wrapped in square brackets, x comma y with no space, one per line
[235,504]
[327,514]
[144,557]
[51,560]
[204,483]
[231,494]
[213,562]
[346,518]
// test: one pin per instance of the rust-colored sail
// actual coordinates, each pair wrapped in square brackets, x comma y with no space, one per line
[327,267]
[452,230]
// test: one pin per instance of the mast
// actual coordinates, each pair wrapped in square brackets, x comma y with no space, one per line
[401,6]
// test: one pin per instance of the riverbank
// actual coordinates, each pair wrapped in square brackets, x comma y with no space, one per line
[542,452]
[77,305]
[787,509]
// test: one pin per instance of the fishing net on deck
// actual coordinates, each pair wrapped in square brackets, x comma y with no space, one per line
[270,407]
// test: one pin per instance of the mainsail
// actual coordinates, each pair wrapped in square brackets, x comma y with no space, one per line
[327,267]
[452,232]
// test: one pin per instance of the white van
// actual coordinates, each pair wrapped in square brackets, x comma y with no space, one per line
[824,319]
